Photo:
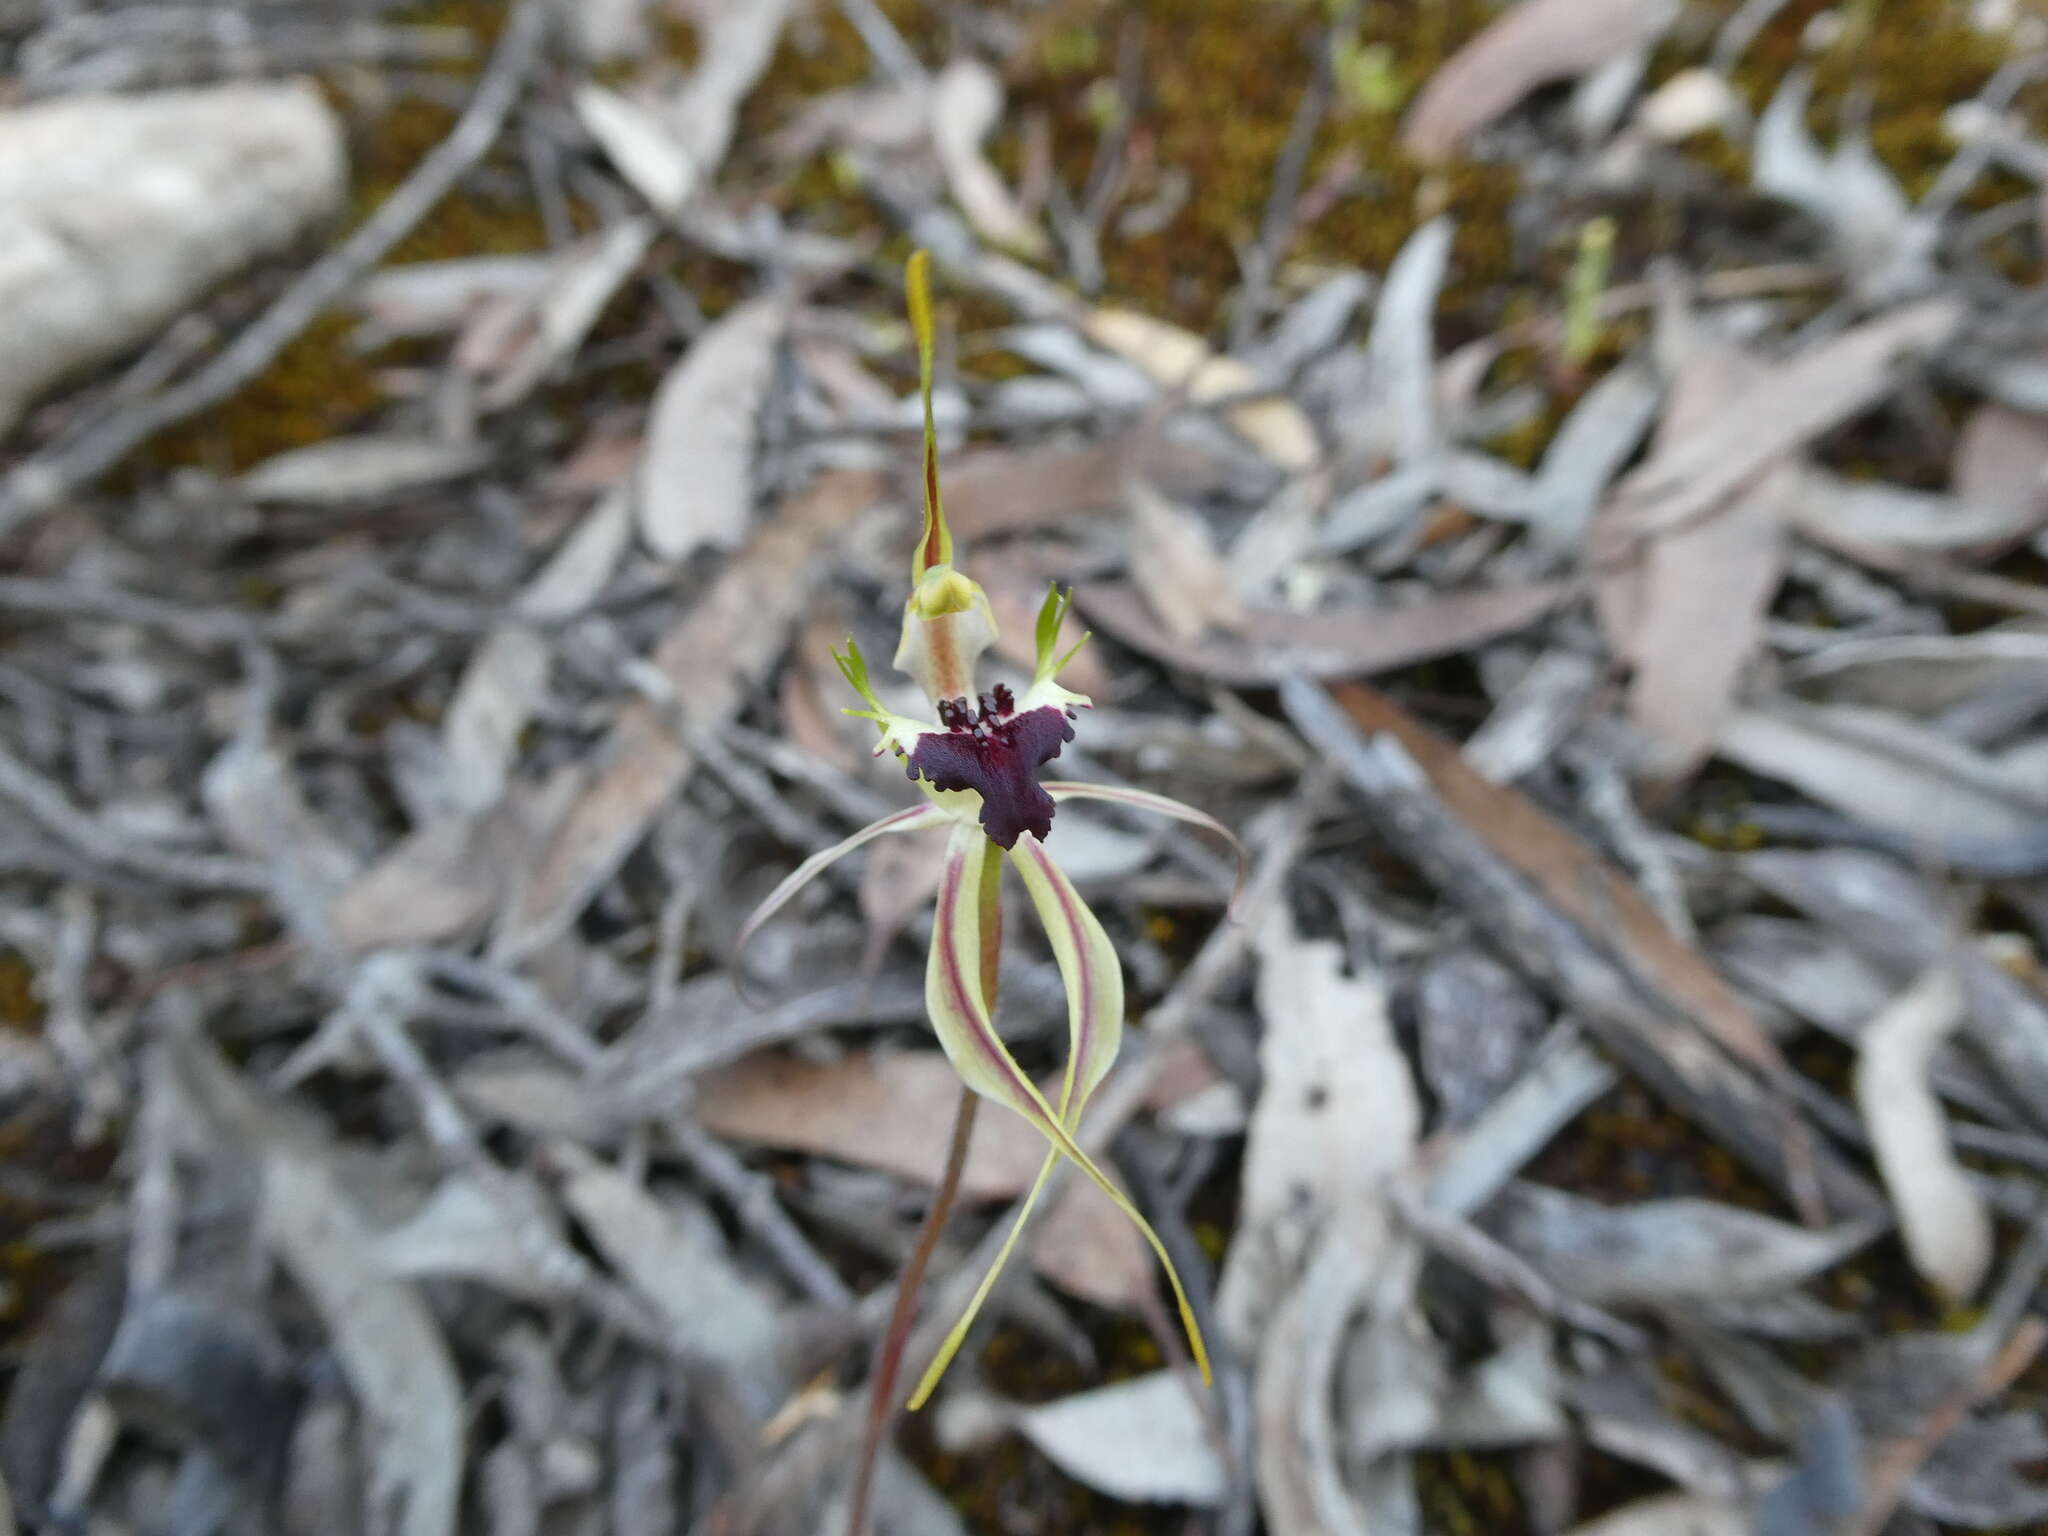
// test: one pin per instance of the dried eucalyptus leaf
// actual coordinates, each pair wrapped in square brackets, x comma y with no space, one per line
[1144,1440]
[1664,1250]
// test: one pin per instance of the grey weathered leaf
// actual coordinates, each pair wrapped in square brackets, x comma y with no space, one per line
[1896,924]
[1665,1250]
[385,1338]
[1478,1022]
[255,799]
[695,484]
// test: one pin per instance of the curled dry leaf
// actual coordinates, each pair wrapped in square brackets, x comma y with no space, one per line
[1175,359]
[256,800]
[389,1347]
[426,298]
[1143,1441]
[696,480]
[744,617]
[2001,463]
[1690,102]
[1398,417]
[1942,1217]
[894,1111]
[1685,607]
[641,143]
[1665,1250]
[1273,644]
[346,469]
[1849,193]
[1675,1514]
[1337,1114]
[512,347]
[966,105]
[736,40]
[1174,563]
[1884,769]
[1809,393]
[1993,513]
[888,1110]
[714,1310]
[124,210]
[1533,44]
[576,573]
[447,876]
[505,682]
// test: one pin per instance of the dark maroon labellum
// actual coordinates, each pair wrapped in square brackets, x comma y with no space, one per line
[997,754]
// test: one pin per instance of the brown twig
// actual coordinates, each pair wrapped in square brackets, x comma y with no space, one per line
[1894,1464]
[46,478]
[888,1368]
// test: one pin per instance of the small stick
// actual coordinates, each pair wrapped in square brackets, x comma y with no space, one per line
[47,478]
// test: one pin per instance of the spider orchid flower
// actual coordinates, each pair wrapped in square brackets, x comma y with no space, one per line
[978,767]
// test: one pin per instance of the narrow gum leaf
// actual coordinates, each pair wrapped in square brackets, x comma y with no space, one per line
[961,1020]
[1163,805]
[935,543]
[1088,965]
[899,821]
[957,1334]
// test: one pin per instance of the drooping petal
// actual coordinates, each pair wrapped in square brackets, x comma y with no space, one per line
[926,815]
[960,1017]
[1088,966]
[957,1334]
[1163,805]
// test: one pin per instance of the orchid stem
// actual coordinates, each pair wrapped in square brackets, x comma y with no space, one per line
[888,1367]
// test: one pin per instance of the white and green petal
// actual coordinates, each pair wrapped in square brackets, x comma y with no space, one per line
[961,1019]
[1089,968]
[1160,805]
[908,820]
